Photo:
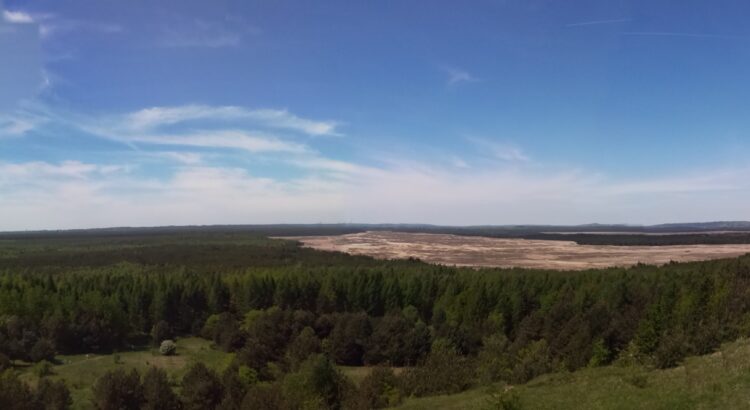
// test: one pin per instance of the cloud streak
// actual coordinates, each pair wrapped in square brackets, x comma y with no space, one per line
[17,17]
[598,22]
[500,150]
[458,76]
[156,117]
[223,139]
[681,34]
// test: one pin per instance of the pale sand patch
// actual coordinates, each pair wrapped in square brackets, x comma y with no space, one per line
[524,253]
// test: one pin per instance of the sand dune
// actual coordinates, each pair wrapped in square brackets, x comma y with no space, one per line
[481,251]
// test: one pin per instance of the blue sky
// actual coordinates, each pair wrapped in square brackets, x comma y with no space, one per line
[493,112]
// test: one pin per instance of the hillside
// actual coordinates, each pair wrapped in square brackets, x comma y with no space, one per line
[715,381]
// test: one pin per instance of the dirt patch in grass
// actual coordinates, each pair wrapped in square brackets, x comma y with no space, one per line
[524,253]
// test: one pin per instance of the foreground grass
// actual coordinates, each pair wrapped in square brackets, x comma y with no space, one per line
[81,371]
[717,381]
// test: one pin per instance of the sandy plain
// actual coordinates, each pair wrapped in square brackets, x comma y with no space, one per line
[524,253]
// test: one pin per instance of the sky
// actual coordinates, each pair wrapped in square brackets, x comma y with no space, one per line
[152,113]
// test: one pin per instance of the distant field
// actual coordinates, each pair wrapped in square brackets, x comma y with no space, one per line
[80,372]
[524,253]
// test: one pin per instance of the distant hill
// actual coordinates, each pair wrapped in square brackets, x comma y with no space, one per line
[343,228]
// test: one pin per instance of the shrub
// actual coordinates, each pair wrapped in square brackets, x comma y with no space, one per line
[43,369]
[304,345]
[14,394]
[168,348]
[157,392]
[5,362]
[201,388]
[264,396]
[118,390]
[444,371]
[160,331]
[53,395]
[532,361]
[317,385]
[494,361]
[505,399]
[43,349]
[380,389]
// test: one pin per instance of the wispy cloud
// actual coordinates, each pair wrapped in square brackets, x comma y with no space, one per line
[682,34]
[155,117]
[18,124]
[189,158]
[65,169]
[202,33]
[14,127]
[52,24]
[459,163]
[457,76]
[17,17]
[598,22]
[500,150]
[225,139]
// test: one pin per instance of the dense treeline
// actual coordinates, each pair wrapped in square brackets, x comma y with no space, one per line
[647,240]
[279,307]
[713,233]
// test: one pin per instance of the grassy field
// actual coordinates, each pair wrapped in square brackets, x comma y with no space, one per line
[81,371]
[717,381]
[720,380]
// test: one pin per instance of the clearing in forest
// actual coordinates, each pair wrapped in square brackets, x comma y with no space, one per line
[523,253]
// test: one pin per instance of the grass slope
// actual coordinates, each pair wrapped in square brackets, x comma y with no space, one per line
[717,381]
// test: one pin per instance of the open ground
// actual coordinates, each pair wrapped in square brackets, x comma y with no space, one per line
[523,253]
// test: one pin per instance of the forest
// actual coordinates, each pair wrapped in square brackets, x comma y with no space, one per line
[292,316]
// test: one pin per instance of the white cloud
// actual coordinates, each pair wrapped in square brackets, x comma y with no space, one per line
[39,169]
[18,124]
[189,158]
[14,126]
[75,194]
[500,150]
[202,33]
[459,162]
[51,25]
[155,117]
[222,139]
[456,76]
[17,17]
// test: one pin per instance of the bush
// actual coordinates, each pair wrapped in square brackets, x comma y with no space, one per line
[53,395]
[5,362]
[161,331]
[157,392]
[14,394]
[168,348]
[317,385]
[304,345]
[264,396]
[43,369]
[118,390]
[201,388]
[532,361]
[444,371]
[505,399]
[494,361]
[43,349]
[380,389]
